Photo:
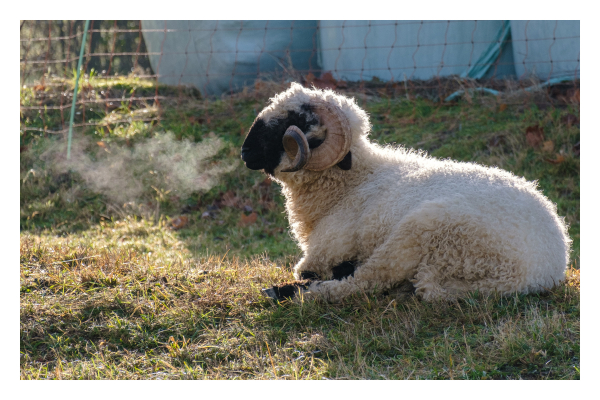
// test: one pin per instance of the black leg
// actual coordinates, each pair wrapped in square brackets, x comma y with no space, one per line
[282,292]
[344,270]
[311,276]
[288,291]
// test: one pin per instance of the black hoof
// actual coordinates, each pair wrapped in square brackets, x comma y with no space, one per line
[309,275]
[270,292]
[285,291]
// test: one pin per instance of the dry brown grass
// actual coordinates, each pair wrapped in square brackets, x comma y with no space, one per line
[98,308]
[108,295]
[574,278]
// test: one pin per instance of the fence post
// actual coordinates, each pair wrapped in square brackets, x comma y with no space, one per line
[85,30]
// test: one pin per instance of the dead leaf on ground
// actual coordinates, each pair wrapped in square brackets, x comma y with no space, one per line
[327,77]
[178,222]
[246,220]
[275,231]
[559,159]
[267,182]
[101,144]
[548,146]
[326,81]
[570,120]
[229,199]
[502,107]
[195,120]
[534,135]
[266,202]
[496,140]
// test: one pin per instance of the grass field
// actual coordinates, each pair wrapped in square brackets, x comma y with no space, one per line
[167,285]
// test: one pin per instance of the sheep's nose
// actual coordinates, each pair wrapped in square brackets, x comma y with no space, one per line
[245,153]
[248,155]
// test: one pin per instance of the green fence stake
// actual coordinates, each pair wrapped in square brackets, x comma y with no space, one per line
[85,30]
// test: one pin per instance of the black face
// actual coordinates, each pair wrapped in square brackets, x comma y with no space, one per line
[263,147]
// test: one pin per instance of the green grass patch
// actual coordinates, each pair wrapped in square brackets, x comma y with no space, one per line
[168,286]
[90,310]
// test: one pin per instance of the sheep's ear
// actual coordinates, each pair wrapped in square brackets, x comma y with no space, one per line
[346,162]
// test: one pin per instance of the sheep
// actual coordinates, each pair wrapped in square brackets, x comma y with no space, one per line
[370,217]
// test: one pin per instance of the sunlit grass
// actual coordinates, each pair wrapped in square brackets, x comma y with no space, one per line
[95,307]
[129,291]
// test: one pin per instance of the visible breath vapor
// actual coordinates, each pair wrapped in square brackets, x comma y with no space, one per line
[154,166]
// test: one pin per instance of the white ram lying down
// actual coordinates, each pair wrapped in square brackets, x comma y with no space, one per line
[371,217]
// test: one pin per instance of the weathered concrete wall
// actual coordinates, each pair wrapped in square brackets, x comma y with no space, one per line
[546,49]
[356,50]
[223,56]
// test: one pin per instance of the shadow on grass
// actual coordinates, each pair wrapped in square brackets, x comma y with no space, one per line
[479,337]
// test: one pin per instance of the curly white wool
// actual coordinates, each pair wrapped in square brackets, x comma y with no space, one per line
[449,227]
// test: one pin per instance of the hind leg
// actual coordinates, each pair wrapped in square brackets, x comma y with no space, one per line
[455,262]
[441,276]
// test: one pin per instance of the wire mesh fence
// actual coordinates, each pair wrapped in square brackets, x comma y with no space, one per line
[140,65]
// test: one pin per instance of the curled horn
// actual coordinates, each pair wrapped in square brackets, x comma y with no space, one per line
[333,149]
[296,147]
[337,142]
